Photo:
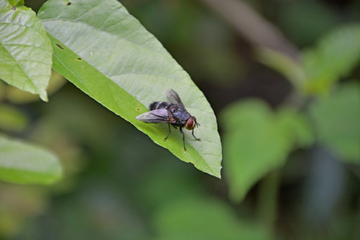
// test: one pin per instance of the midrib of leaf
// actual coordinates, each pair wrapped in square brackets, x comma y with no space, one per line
[29,79]
[121,64]
[158,85]
[161,51]
[107,72]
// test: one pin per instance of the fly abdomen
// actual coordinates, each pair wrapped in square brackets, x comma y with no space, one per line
[159,105]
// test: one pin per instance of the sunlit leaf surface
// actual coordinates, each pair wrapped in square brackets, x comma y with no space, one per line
[106,52]
[22,162]
[25,50]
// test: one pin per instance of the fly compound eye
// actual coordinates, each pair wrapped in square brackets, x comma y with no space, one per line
[196,124]
[190,123]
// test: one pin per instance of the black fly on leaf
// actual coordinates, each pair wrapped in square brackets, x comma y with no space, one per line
[173,113]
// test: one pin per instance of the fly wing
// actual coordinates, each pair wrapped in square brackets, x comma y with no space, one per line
[174,98]
[155,116]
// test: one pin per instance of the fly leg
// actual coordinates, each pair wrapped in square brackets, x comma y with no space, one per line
[181,131]
[168,133]
[199,139]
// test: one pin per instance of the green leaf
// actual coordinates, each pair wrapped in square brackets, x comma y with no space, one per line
[25,163]
[337,121]
[334,57]
[194,218]
[258,141]
[105,52]
[25,50]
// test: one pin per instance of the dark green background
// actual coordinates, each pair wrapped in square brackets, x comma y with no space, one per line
[119,185]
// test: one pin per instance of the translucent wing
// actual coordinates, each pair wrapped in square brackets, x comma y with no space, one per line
[155,116]
[174,98]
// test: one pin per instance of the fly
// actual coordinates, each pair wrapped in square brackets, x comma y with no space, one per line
[173,113]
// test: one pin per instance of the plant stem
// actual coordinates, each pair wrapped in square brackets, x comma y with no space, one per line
[268,195]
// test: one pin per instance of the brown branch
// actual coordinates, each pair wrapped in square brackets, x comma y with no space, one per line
[251,26]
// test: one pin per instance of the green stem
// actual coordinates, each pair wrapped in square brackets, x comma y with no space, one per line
[268,196]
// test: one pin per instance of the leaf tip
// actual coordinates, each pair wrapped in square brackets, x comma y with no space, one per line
[43,96]
[216,173]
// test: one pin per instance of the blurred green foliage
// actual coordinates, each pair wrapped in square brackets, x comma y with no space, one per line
[258,141]
[12,119]
[337,121]
[197,218]
[334,57]
[291,152]
[21,162]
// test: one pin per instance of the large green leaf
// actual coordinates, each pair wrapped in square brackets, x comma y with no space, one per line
[22,162]
[333,57]
[106,52]
[25,50]
[337,121]
[258,140]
